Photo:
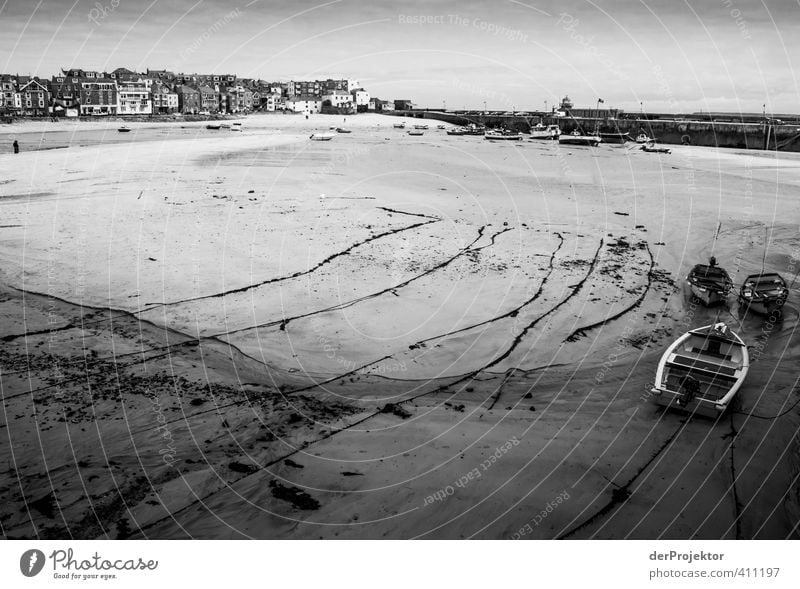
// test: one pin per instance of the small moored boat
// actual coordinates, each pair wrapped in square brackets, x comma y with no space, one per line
[709,283]
[542,132]
[416,133]
[441,127]
[577,138]
[702,371]
[643,138]
[421,127]
[615,138]
[650,147]
[321,136]
[124,130]
[764,293]
[470,129]
[216,127]
[399,125]
[341,130]
[503,135]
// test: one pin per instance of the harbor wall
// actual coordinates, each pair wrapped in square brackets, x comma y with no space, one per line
[704,133]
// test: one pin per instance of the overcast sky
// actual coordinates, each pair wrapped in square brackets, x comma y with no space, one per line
[660,55]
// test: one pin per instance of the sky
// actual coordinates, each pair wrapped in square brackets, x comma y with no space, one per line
[651,55]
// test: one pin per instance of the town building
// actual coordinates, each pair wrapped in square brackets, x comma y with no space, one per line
[92,93]
[403,105]
[361,99]
[34,96]
[337,99]
[188,100]
[304,89]
[9,98]
[237,99]
[209,99]
[304,104]
[133,96]
[165,101]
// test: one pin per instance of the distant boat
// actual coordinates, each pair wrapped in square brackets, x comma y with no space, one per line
[399,125]
[576,138]
[214,127]
[651,148]
[341,130]
[321,136]
[542,132]
[420,126]
[709,283]
[643,138]
[702,371]
[237,123]
[225,126]
[416,133]
[470,129]
[124,130]
[615,138]
[441,127]
[763,293]
[503,135]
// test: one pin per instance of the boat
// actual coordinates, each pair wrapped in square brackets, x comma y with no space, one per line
[651,148]
[471,129]
[764,293]
[341,130]
[214,127]
[399,125]
[643,138]
[421,127]
[702,371]
[237,123]
[577,138]
[709,283]
[503,135]
[321,136]
[542,132]
[441,127]
[225,126]
[124,130]
[615,138]
[416,133]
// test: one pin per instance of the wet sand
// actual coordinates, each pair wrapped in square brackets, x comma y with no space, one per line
[248,334]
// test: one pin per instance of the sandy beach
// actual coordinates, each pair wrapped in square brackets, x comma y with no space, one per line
[219,334]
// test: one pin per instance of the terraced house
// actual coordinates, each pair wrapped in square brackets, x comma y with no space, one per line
[92,93]
[9,98]
[34,96]
[188,99]
[165,101]
[209,99]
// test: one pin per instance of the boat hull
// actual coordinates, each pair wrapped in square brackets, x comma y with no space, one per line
[708,296]
[762,307]
[503,137]
[615,138]
[671,400]
[579,140]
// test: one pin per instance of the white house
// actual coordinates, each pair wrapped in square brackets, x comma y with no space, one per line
[339,98]
[305,104]
[133,97]
[361,98]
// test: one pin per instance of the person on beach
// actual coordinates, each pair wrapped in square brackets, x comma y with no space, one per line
[712,261]
[16,146]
